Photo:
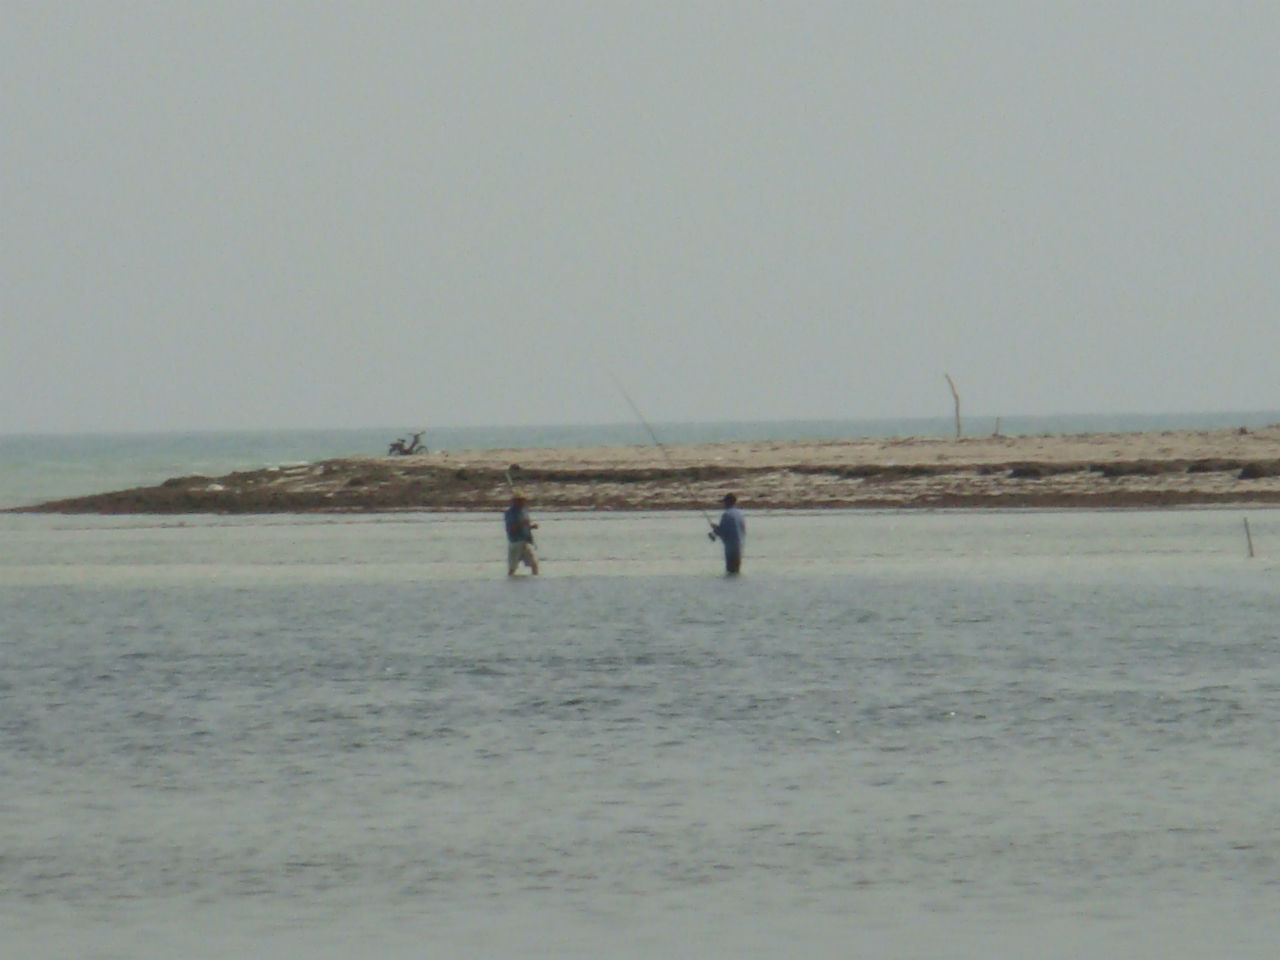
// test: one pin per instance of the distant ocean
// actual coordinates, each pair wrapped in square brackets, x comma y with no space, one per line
[40,467]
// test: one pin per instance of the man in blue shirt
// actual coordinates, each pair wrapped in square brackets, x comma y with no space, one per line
[519,536]
[732,531]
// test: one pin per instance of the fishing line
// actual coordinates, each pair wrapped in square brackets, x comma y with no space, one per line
[711,534]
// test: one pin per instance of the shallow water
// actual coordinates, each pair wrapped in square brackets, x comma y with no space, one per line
[899,735]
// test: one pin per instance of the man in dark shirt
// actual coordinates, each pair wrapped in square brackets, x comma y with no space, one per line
[520,536]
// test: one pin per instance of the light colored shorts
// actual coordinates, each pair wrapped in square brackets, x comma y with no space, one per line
[520,550]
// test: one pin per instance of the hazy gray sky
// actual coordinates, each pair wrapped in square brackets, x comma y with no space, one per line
[241,214]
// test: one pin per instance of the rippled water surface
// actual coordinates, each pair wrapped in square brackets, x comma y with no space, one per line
[896,735]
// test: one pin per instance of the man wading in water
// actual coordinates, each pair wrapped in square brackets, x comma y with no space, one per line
[732,531]
[520,536]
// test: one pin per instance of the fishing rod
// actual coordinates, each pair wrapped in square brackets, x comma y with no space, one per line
[711,534]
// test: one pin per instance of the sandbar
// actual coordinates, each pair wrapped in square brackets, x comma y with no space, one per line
[1094,470]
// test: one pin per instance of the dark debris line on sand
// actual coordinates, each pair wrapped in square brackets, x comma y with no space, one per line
[384,484]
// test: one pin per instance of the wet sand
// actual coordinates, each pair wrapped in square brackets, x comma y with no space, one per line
[1103,470]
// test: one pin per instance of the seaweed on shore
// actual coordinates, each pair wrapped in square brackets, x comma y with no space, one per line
[371,485]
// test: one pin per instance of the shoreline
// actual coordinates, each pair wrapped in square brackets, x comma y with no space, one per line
[1090,471]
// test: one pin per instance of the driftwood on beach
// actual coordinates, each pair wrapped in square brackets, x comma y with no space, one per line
[1174,468]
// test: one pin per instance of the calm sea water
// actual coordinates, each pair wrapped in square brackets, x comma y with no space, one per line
[896,735]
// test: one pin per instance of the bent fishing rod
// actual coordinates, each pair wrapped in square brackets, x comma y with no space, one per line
[711,534]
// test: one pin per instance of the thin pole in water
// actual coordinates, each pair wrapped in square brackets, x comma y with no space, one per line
[1248,537]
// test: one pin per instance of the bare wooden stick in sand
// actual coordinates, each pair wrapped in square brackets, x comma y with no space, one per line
[955,395]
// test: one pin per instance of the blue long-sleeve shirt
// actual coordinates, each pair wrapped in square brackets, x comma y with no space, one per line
[732,529]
